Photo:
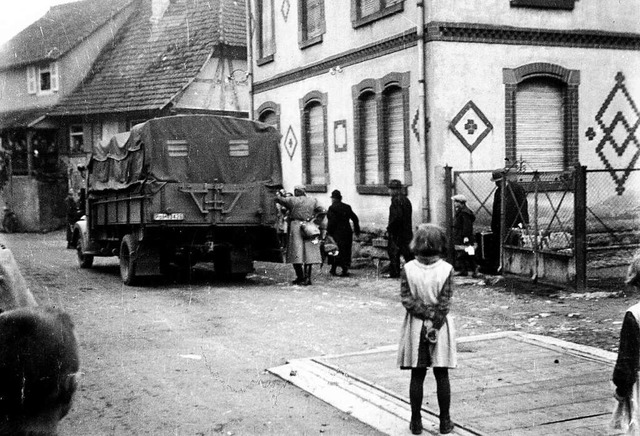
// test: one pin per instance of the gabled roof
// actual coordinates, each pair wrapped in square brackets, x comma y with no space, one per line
[149,64]
[62,28]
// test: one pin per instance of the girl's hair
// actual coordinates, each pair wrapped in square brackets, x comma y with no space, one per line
[429,240]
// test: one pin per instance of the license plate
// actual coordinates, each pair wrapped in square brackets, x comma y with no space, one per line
[168,217]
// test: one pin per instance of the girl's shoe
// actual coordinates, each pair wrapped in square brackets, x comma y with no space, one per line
[415,427]
[446,426]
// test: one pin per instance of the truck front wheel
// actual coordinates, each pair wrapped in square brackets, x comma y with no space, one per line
[128,259]
[85,260]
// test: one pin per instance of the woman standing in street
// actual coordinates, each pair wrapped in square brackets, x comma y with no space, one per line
[339,228]
[301,252]
[428,336]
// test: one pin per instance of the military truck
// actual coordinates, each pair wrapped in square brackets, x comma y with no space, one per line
[179,190]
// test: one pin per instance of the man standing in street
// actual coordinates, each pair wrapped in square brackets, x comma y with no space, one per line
[339,228]
[399,229]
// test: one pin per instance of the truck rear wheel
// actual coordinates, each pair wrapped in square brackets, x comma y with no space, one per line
[128,259]
[84,260]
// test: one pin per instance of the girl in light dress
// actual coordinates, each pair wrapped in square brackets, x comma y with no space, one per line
[428,335]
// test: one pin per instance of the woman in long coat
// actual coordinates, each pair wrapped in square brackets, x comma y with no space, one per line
[302,253]
[339,228]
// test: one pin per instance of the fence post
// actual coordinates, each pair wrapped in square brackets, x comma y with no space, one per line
[448,193]
[580,226]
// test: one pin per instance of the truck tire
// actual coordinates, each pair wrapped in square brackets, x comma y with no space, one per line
[84,260]
[128,259]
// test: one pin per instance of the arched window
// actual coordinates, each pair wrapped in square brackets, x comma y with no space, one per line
[369,139]
[540,128]
[314,139]
[541,116]
[394,139]
[269,117]
[314,147]
[269,113]
[381,135]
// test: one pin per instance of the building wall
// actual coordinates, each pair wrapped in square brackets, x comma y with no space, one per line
[469,46]
[372,208]
[618,16]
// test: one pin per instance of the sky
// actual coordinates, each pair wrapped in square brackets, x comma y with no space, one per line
[15,15]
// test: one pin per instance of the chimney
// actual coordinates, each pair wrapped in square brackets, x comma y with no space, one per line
[158,7]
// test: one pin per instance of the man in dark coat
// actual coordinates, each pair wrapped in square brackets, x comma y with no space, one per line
[463,236]
[399,229]
[516,212]
[339,228]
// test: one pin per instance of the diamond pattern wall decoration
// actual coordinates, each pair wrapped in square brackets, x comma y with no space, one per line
[619,147]
[285,9]
[290,143]
[470,126]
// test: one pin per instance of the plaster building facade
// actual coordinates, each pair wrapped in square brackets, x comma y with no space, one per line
[364,91]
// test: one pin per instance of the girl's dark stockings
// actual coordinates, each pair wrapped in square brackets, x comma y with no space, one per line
[416,393]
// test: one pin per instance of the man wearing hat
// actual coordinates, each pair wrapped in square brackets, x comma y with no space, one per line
[515,213]
[463,236]
[399,229]
[339,228]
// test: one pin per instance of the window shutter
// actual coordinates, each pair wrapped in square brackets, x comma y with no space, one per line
[31,80]
[368,7]
[314,18]
[540,125]
[369,139]
[394,117]
[54,76]
[315,137]
[266,28]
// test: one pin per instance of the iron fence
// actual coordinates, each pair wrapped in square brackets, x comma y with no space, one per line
[586,222]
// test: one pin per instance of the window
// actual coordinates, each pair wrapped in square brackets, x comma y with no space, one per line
[369,138]
[366,11]
[45,153]
[540,125]
[76,139]
[311,25]
[394,134]
[550,4]
[541,116]
[315,159]
[269,113]
[381,132]
[42,80]
[266,37]
[17,143]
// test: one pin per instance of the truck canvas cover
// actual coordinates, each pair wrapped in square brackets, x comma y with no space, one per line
[188,149]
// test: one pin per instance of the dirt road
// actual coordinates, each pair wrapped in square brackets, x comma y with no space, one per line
[188,356]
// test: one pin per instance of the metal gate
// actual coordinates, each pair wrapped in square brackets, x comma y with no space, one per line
[583,229]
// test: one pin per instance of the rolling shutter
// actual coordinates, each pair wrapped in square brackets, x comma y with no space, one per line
[540,125]
[368,7]
[369,138]
[315,140]
[267,42]
[394,117]
[314,18]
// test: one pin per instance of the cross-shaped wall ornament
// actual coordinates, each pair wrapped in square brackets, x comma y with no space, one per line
[470,126]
